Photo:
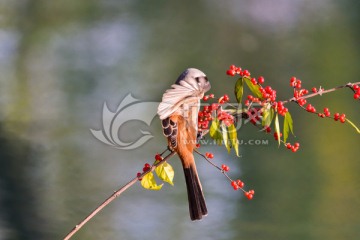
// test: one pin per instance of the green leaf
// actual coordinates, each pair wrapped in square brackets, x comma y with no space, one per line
[215,131]
[268,115]
[253,88]
[225,137]
[277,127]
[148,182]
[239,89]
[352,124]
[165,172]
[233,138]
[288,126]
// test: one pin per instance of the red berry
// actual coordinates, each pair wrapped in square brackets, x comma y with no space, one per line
[314,90]
[292,81]
[230,72]
[225,168]
[209,155]
[232,67]
[297,144]
[253,81]
[240,183]
[214,106]
[211,95]
[205,98]
[288,146]
[246,73]
[138,176]
[146,167]
[342,118]
[261,80]
[252,191]
[336,116]
[226,98]
[248,195]
[356,95]
[267,129]
[158,157]
[309,107]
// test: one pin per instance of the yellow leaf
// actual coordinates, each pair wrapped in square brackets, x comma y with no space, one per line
[225,137]
[288,126]
[277,128]
[148,182]
[165,172]
[233,138]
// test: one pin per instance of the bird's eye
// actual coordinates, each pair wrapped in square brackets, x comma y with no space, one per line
[198,79]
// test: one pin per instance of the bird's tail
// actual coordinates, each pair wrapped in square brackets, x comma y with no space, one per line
[197,206]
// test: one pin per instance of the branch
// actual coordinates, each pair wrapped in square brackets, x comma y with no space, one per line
[115,195]
[322,91]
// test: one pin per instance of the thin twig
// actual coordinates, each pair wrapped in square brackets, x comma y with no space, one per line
[321,92]
[217,167]
[115,195]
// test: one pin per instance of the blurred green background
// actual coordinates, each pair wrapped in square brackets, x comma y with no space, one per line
[61,60]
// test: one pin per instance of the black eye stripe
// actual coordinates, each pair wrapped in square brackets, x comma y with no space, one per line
[198,79]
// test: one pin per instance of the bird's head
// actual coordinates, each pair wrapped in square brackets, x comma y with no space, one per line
[196,78]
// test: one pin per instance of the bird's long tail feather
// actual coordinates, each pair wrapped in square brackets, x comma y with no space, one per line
[197,206]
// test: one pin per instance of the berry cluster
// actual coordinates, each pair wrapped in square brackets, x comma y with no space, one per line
[281,109]
[209,155]
[310,108]
[225,117]
[233,70]
[267,95]
[205,115]
[254,115]
[356,89]
[325,114]
[298,94]
[340,117]
[276,136]
[236,184]
[207,97]
[146,168]
[294,147]
[225,168]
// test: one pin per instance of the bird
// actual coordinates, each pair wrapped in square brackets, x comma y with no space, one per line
[178,112]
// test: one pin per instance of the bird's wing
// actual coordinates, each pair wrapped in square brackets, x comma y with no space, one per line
[170,130]
[174,96]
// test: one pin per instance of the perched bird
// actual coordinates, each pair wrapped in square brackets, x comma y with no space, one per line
[178,112]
